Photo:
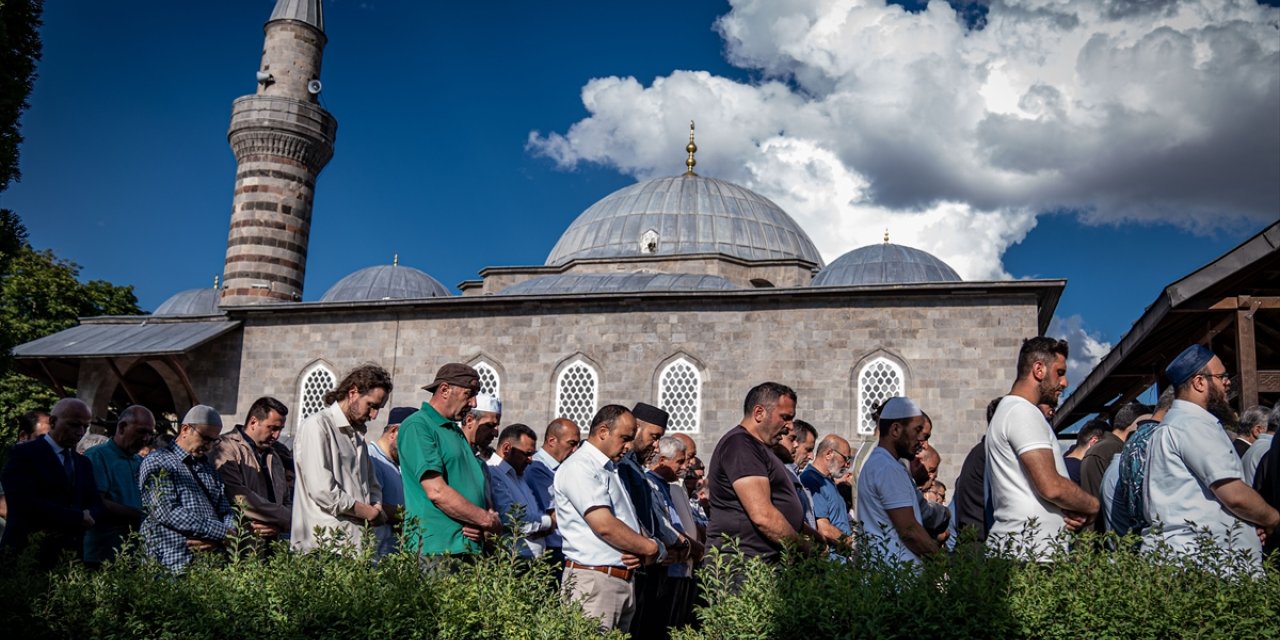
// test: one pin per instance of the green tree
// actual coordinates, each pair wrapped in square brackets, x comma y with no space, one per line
[19,52]
[41,294]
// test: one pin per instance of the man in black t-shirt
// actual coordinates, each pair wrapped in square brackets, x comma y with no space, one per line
[752,498]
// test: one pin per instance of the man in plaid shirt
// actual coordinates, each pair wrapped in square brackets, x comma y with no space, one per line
[187,510]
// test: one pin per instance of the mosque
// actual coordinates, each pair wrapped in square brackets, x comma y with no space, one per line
[681,291]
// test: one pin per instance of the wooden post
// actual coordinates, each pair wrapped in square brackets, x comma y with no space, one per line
[123,385]
[1246,359]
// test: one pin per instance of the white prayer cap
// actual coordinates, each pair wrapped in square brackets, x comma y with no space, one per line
[898,408]
[487,403]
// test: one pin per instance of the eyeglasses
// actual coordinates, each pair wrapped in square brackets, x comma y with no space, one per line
[1224,376]
[842,456]
[203,438]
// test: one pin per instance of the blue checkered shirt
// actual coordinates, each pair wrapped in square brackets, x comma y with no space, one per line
[183,498]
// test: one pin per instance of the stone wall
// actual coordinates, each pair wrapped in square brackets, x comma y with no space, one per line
[957,352]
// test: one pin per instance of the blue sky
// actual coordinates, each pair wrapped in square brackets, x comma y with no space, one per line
[464,140]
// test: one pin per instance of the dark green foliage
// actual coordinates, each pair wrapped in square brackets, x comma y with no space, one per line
[19,51]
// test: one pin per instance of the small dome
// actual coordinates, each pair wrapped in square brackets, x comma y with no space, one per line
[192,302]
[616,283]
[385,282]
[684,215]
[885,264]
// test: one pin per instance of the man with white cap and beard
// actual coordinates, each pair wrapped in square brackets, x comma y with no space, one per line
[888,502]
[1193,480]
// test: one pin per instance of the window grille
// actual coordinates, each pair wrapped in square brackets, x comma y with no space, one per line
[576,390]
[878,381]
[489,381]
[680,394]
[315,383]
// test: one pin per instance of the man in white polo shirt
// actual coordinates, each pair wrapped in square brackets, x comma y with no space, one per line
[602,546]
[1032,497]
[888,503]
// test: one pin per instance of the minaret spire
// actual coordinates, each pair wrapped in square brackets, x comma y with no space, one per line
[692,149]
[282,138]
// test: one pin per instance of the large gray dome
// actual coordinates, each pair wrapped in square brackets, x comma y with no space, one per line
[385,282]
[683,215]
[616,282]
[192,302]
[885,264]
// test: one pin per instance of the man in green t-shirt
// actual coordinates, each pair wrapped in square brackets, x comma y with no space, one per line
[444,483]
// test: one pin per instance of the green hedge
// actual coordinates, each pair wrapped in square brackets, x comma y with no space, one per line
[338,593]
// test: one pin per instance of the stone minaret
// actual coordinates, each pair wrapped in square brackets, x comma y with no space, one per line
[282,138]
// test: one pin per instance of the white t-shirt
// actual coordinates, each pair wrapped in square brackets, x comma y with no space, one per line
[885,484]
[1016,428]
[1189,452]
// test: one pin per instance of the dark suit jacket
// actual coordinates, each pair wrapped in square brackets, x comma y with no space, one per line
[41,499]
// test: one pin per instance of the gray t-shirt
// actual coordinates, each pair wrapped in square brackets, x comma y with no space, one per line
[885,484]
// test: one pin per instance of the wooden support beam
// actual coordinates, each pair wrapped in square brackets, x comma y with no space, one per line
[1232,303]
[1269,382]
[1218,328]
[1246,359]
[123,385]
[57,386]
[186,381]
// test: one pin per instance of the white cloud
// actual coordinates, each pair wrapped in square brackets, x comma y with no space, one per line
[1087,349]
[869,116]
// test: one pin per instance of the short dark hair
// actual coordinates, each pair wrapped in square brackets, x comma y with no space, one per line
[1039,349]
[1127,414]
[803,430]
[607,416]
[766,394]
[1095,428]
[516,431]
[27,422]
[364,378]
[992,406]
[262,408]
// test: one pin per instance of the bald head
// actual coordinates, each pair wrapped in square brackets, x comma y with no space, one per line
[929,460]
[70,418]
[690,446]
[561,438]
[135,429]
[832,456]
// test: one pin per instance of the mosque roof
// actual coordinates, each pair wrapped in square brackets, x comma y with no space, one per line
[191,302]
[616,283]
[385,282]
[885,264]
[306,11]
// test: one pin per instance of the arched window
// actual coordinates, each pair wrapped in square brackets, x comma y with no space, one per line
[490,383]
[577,387]
[879,380]
[680,394]
[317,380]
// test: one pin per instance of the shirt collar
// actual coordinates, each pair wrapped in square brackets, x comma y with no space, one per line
[57,448]
[339,418]
[498,462]
[595,456]
[545,458]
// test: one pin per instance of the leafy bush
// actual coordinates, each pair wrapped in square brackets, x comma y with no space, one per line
[337,592]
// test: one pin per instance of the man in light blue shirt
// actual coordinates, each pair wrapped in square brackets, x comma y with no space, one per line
[512,498]
[559,441]
[831,460]
[888,502]
[384,455]
[1193,482]
[116,466]
[1260,447]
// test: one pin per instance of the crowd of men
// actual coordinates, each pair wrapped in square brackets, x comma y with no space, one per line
[623,511]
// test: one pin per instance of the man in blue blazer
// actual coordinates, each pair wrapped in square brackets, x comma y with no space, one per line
[50,488]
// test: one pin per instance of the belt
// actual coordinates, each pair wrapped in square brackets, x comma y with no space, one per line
[620,573]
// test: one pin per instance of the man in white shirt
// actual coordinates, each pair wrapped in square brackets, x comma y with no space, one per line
[602,543]
[513,499]
[1032,497]
[888,502]
[335,488]
[1267,421]
[1193,482]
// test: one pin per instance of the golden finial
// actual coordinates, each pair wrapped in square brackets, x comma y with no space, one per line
[395,260]
[691,148]
[886,236]
[215,282]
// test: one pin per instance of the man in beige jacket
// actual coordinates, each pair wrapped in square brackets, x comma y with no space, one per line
[252,473]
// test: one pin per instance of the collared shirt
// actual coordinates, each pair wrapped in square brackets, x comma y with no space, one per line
[688,521]
[62,458]
[586,480]
[653,519]
[806,496]
[1253,456]
[1189,453]
[115,472]
[663,499]
[514,501]
[430,443]
[883,485]
[827,503]
[333,473]
[539,475]
[254,479]
[388,473]
[183,498]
